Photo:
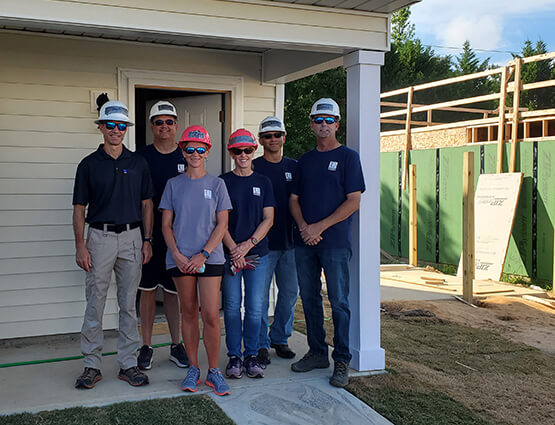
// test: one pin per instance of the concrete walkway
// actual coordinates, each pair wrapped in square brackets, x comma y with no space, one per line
[282,397]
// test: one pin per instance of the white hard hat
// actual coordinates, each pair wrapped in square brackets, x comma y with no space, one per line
[271,124]
[162,107]
[114,110]
[325,106]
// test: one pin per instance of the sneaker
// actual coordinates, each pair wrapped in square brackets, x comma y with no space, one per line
[178,355]
[283,351]
[133,376]
[253,368]
[216,380]
[234,368]
[263,357]
[311,361]
[144,361]
[88,378]
[340,377]
[191,380]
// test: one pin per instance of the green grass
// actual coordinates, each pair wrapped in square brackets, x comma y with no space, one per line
[185,409]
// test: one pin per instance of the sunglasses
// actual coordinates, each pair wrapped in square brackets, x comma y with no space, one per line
[158,123]
[190,150]
[268,136]
[237,151]
[327,120]
[112,125]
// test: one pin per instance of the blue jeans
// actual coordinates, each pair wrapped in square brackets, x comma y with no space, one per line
[245,330]
[335,262]
[283,264]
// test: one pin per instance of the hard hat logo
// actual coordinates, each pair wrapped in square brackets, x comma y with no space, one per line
[196,135]
[324,107]
[165,108]
[116,110]
[270,124]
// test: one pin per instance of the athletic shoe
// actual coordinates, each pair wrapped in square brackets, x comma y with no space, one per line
[88,378]
[340,377]
[253,368]
[263,358]
[144,361]
[283,351]
[133,376]
[216,380]
[178,355]
[191,380]
[234,368]
[311,361]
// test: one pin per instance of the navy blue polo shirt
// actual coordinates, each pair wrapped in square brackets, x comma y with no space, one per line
[112,188]
[281,174]
[322,182]
[249,196]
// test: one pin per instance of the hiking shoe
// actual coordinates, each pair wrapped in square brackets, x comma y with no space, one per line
[216,380]
[191,380]
[234,368]
[144,361]
[133,376]
[253,368]
[311,361]
[263,358]
[178,355]
[283,351]
[340,377]
[88,378]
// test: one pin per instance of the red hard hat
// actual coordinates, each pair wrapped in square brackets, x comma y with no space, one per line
[195,133]
[241,139]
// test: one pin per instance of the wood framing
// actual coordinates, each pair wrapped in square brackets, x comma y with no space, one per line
[413,218]
[407,136]
[468,225]
[516,103]
[501,124]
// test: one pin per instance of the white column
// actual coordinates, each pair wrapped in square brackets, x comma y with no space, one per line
[363,135]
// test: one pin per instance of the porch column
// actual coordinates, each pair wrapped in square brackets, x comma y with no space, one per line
[363,135]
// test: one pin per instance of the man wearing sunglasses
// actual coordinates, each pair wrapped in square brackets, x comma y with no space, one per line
[165,161]
[326,192]
[116,186]
[281,258]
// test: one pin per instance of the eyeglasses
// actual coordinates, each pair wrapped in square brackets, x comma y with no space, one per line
[327,120]
[119,125]
[190,150]
[158,123]
[237,151]
[268,136]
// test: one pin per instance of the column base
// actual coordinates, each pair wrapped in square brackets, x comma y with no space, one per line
[368,359]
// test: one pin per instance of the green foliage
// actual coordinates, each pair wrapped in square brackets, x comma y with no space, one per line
[537,71]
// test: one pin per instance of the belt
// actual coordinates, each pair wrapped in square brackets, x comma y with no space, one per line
[116,228]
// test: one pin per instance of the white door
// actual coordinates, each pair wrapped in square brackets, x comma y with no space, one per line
[204,110]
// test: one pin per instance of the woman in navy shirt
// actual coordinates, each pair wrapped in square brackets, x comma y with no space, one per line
[246,255]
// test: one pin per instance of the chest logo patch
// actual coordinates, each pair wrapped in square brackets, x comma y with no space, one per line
[256,191]
[180,168]
[207,194]
[288,176]
[332,166]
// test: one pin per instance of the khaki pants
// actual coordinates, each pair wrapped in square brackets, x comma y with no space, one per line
[122,253]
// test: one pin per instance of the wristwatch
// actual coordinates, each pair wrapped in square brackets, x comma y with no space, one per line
[149,240]
[254,240]
[205,253]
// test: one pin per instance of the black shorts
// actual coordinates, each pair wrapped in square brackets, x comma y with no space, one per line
[155,273]
[210,270]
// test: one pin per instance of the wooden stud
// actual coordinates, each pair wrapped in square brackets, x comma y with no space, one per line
[429,119]
[490,133]
[413,218]
[468,226]
[545,128]
[516,103]
[408,146]
[501,124]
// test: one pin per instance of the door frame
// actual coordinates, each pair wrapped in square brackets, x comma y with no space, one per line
[128,79]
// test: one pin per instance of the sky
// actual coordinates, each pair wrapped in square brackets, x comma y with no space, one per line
[496,26]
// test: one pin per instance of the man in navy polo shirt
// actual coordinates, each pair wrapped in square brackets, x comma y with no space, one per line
[116,186]
[326,192]
[281,259]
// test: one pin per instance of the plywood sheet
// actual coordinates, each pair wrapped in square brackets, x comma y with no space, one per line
[495,205]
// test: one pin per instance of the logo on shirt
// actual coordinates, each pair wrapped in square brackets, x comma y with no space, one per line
[256,191]
[332,166]
[180,168]
[288,176]
[207,194]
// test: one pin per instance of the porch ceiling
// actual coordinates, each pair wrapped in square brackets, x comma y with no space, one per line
[378,6]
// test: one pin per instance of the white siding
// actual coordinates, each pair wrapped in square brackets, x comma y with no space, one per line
[46,128]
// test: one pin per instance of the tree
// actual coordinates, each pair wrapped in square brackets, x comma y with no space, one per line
[537,71]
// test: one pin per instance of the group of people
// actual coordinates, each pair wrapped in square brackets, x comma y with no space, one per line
[157,218]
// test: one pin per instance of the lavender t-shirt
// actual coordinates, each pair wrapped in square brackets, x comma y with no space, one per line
[195,203]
